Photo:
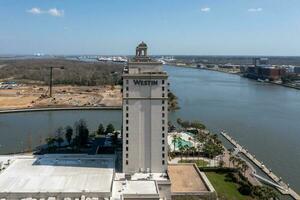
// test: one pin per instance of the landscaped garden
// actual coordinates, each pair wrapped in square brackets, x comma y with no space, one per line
[225,188]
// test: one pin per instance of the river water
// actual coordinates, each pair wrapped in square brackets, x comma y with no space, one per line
[262,117]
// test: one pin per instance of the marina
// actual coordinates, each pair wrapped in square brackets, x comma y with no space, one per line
[282,187]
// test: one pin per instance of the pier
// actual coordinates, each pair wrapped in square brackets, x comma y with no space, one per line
[282,187]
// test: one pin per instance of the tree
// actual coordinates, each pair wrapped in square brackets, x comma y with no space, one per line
[171,127]
[82,133]
[174,140]
[109,129]
[180,147]
[197,125]
[115,137]
[100,130]
[179,121]
[211,149]
[264,192]
[51,143]
[59,141]
[69,134]
[58,137]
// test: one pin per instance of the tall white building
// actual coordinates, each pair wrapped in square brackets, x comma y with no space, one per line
[145,114]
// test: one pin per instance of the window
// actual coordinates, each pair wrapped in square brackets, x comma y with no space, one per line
[163,101]
[163,114]
[126,102]
[163,135]
[163,82]
[127,108]
[127,95]
[163,108]
[127,114]
[163,155]
[126,141]
[163,149]
[163,121]
[127,81]
[127,88]
[126,155]
[163,88]
[163,141]
[127,128]
[163,128]
[127,121]
[126,148]
[163,162]
[127,135]
[126,162]
[163,94]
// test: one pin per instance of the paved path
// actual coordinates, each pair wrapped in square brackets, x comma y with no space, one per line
[287,190]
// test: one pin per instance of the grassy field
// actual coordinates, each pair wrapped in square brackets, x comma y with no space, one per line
[225,189]
[199,163]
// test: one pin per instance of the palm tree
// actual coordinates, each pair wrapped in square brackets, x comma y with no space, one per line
[180,147]
[186,150]
[245,167]
[174,141]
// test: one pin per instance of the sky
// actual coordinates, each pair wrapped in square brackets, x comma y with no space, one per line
[169,27]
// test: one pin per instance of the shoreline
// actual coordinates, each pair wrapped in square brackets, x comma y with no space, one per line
[215,70]
[60,109]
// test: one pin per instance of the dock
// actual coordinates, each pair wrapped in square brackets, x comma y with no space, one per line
[282,187]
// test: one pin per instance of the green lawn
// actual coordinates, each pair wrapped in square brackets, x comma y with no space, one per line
[199,163]
[225,189]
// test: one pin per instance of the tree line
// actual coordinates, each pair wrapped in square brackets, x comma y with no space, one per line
[78,136]
[73,73]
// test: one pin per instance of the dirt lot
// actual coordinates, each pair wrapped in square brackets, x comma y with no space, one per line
[34,96]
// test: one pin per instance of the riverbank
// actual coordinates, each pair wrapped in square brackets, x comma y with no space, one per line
[61,109]
[236,73]
[282,187]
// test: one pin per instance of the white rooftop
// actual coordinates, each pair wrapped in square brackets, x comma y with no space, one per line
[143,176]
[134,188]
[57,174]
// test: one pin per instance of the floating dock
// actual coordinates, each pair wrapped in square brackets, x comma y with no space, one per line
[283,187]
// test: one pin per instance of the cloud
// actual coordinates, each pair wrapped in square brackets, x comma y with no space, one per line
[55,12]
[35,11]
[52,11]
[206,9]
[255,9]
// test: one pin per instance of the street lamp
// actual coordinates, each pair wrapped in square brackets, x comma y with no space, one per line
[50,80]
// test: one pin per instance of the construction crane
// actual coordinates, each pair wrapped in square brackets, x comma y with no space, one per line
[50,79]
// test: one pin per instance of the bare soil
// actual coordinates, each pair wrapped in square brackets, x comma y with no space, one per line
[36,96]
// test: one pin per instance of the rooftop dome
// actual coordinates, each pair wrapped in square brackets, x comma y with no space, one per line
[142,44]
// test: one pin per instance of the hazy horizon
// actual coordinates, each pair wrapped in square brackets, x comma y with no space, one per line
[169,27]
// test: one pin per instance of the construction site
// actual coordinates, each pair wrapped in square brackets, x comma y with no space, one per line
[37,96]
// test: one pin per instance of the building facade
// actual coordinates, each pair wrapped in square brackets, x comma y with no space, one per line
[145,114]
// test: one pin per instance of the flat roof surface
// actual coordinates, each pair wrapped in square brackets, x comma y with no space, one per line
[57,174]
[143,176]
[185,178]
[133,187]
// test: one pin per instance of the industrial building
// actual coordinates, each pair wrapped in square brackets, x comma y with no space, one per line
[261,69]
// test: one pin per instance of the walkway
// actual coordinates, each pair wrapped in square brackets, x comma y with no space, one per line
[287,190]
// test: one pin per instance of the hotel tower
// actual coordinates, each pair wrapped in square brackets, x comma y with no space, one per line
[145,114]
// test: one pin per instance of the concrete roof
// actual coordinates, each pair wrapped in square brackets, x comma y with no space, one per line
[143,176]
[57,174]
[139,188]
[186,178]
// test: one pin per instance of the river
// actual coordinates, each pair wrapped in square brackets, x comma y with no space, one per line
[262,117]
